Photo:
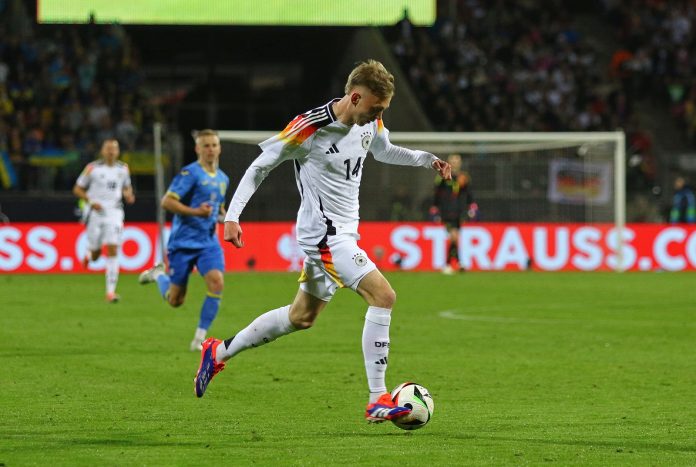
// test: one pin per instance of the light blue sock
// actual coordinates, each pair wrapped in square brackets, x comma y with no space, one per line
[163,285]
[209,311]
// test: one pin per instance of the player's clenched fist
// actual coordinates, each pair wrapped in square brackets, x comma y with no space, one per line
[204,210]
[233,234]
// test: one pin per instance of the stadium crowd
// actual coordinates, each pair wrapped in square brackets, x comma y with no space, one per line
[506,66]
[62,91]
[523,66]
[483,66]
[656,54]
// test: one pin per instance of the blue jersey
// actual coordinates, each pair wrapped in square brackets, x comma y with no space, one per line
[194,186]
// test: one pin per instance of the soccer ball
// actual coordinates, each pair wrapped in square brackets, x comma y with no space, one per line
[418,399]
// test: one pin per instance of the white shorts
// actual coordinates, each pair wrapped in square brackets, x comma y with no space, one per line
[102,232]
[338,263]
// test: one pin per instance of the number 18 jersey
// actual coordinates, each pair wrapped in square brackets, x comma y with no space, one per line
[104,184]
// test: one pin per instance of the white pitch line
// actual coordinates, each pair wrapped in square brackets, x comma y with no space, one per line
[458,315]
[452,314]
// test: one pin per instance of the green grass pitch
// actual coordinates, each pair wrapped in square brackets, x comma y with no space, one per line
[524,368]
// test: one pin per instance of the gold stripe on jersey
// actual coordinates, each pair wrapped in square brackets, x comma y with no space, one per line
[327,259]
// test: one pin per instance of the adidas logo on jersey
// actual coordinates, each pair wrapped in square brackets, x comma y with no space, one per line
[332,150]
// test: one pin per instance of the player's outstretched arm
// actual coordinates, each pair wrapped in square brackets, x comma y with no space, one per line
[384,151]
[233,234]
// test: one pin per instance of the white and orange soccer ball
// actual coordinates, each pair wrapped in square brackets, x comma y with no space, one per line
[418,399]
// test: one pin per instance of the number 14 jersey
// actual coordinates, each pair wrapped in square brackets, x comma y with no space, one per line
[328,158]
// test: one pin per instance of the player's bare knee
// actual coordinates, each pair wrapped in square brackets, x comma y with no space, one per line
[302,318]
[387,297]
[216,286]
[215,281]
[301,323]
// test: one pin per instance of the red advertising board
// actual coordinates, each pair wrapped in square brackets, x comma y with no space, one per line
[56,247]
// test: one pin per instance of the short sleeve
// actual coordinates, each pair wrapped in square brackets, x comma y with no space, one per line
[182,184]
[84,178]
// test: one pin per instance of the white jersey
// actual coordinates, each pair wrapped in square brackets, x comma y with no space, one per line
[329,157]
[104,185]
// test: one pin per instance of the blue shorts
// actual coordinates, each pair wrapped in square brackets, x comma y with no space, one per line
[182,260]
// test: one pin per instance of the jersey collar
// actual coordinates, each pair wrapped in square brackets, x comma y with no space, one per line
[212,174]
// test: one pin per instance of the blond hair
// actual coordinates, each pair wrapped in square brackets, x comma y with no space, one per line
[374,76]
[206,132]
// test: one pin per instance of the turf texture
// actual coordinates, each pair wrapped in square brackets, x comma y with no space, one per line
[524,368]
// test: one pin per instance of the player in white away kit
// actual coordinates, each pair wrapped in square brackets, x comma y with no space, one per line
[328,147]
[102,185]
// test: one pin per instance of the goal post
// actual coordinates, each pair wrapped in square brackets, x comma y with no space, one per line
[555,177]
[159,191]
[166,154]
[516,141]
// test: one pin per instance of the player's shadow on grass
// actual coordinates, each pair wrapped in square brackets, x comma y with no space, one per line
[580,442]
[399,432]
[66,440]
[130,442]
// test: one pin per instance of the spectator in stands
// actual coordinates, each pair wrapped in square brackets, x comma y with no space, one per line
[683,203]
[502,66]
[61,89]
[126,131]
[654,54]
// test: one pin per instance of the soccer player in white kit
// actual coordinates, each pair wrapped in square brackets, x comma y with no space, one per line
[102,185]
[328,147]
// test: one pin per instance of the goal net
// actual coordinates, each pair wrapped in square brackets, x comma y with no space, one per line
[515,177]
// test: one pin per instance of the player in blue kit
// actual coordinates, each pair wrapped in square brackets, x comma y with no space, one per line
[196,196]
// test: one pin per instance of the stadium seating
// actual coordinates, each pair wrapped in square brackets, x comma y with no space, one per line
[62,90]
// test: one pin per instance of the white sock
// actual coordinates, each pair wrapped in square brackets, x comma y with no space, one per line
[200,334]
[264,329]
[111,274]
[375,344]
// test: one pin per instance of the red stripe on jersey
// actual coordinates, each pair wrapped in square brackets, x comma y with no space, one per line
[298,130]
[327,259]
